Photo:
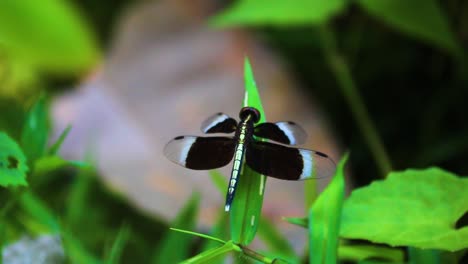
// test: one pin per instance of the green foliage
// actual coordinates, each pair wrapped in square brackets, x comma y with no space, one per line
[13,164]
[279,12]
[275,241]
[52,37]
[36,130]
[422,19]
[247,205]
[416,208]
[175,246]
[363,252]
[56,146]
[118,246]
[324,219]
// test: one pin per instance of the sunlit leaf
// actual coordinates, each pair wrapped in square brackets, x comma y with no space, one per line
[361,252]
[279,12]
[13,165]
[247,204]
[175,246]
[49,35]
[324,219]
[36,130]
[421,19]
[418,208]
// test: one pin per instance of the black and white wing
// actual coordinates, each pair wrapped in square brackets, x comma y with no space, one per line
[200,153]
[219,123]
[283,132]
[287,163]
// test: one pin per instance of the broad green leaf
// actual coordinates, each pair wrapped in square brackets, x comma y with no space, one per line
[247,204]
[274,240]
[361,252]
[417,208]
[324,219]
[36,130]
[422,19]
[118,245]
[49,35]
[39,213]
[213,255]
[56,146]
[13,164]
[175,246]
[279,12]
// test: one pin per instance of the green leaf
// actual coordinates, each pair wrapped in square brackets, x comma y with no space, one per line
[51,36]
[247,204]
[175,246]
[417,208]
[213,255]
[219,230]
[39,212]
[361,252]
[324,219]
[76,252]
[219,181]
[13,164]
[36,130]
[422,19]
[118,245]
[56,146]
[279,12]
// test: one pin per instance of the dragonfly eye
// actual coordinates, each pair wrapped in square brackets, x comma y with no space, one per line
[246,111]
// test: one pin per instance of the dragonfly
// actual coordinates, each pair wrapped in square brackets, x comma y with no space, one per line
[277,157]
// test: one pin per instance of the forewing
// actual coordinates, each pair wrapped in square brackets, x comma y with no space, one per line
[287,163]
[282,132]
[200,153]
[219,123]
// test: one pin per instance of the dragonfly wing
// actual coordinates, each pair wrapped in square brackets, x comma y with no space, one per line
[200,153]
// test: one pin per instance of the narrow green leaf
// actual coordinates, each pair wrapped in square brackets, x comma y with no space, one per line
[324,219]
[78,197]
[247,205]
[76,252]
[174,246]
[56,146]
[219,181]
[418,208]
[36,130]
[118,245]
[13,164]
[39,212]
[361,252]
[198,235]
[274,240]
[422,19]
[213,255]
[52,36]
[279,12]
[300,221]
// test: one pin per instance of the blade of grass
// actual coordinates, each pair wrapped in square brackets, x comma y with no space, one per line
[56,146]
[76,252]
[324,219]
[219,230]
[174,247]
[39,212]
[346,83]
[198,235]
[118,245]
[247,205]
[219,181]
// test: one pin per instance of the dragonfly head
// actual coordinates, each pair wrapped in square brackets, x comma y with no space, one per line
[249,111]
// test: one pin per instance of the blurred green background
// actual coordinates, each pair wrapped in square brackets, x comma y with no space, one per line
[405,60]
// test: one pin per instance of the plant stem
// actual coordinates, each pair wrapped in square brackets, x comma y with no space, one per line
[348,88]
